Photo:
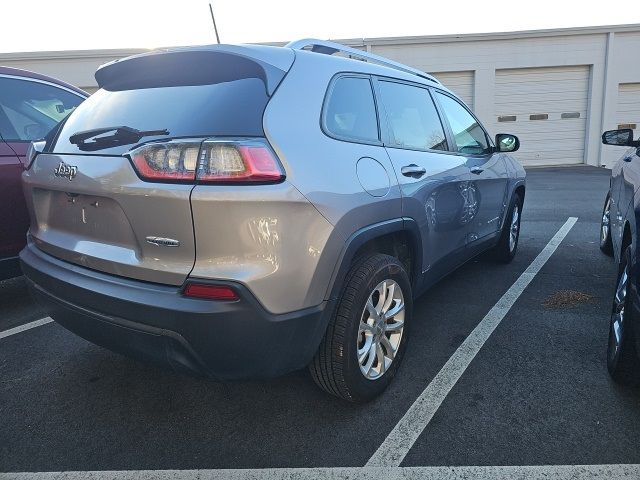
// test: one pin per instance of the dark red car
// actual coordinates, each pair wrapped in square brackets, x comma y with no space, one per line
[30,106]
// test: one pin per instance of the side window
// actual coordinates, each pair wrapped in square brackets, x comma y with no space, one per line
[350,111]
[467,132]
[29,110]
[412,117]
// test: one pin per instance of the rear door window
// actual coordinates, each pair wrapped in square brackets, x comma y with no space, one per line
[30,109]
[412,117]
[350,110]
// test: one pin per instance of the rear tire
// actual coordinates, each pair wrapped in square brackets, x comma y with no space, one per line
[606,245]
[354,361]
[622,357]
[507,246]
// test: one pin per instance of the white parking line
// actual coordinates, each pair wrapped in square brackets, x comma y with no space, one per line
[398,443]
[384,464]
[26,326]
[546,472]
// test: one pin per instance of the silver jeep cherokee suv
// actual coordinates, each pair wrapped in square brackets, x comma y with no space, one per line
[246,211]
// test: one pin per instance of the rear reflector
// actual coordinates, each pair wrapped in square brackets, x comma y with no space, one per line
[218,161]
[210,292]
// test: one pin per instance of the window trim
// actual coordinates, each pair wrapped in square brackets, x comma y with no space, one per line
[327,97]
[387,129]
[45,82]
[490,143]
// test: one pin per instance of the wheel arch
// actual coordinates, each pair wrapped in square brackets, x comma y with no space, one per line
[518,187]
[520,190]
[628,239]
[399,237]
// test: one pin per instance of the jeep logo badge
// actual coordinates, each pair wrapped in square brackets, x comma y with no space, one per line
[65,171]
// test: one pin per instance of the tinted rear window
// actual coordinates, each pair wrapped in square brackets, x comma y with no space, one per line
[233,108]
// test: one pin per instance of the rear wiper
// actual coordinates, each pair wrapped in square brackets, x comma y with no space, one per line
[87,141]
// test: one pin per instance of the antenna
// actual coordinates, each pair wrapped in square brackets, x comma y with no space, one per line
[213,19]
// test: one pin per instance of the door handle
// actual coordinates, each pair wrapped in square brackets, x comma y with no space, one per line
[413,171]
[477,170]
[628,159]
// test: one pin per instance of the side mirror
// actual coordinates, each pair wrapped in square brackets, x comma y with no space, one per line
[505,142]
[620,138]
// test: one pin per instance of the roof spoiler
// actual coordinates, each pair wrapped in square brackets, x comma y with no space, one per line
[196,66]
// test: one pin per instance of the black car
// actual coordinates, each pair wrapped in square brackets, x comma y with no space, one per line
[619,238]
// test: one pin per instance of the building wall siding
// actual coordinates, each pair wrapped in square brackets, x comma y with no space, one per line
[471,65]
[461,83]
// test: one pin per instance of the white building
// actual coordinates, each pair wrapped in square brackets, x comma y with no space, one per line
[558,90]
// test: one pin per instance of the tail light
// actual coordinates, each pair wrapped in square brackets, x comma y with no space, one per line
[211,161]
[167,160]
[210,292]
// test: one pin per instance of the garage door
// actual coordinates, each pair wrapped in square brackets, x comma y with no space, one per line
[460,83]
[627,116]
[547,109]
[628,112]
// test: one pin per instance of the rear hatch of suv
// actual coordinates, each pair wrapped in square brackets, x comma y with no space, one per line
[111,191]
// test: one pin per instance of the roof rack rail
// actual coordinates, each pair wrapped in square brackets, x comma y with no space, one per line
[329,48]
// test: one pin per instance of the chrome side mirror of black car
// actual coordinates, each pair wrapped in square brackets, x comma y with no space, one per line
[620,138]
[505,142]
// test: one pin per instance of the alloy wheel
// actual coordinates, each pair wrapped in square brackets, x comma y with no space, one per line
[380,330]
[514,228]
[618,313]
[606,221]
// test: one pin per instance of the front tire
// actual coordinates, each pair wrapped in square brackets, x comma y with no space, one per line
[622,358]
[367,335]
[606,245]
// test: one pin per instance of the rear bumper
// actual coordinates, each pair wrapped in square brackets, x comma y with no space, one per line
[152,322]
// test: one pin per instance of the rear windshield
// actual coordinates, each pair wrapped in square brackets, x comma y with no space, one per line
[233,108]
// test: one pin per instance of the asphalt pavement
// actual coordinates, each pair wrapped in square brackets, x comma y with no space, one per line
[537,393]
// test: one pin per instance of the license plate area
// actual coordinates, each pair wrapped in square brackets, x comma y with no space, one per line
[86,216]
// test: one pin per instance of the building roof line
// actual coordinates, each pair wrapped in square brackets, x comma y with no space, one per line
[77,54]
[352,42]
[466,37]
